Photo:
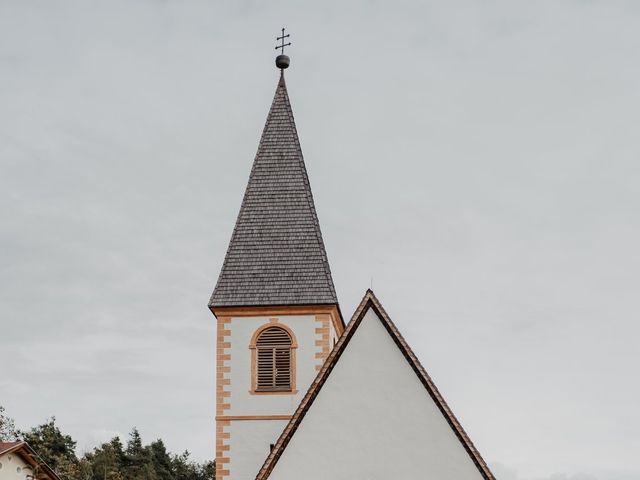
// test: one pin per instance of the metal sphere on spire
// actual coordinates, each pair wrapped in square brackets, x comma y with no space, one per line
[282,61]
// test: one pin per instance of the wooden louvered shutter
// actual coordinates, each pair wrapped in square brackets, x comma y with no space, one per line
[273,360]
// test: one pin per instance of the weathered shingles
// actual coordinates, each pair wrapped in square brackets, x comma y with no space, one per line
[276,255]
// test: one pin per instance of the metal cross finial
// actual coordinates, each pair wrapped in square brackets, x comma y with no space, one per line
[282,44]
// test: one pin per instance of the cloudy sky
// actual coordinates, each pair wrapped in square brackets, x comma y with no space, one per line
[477,162]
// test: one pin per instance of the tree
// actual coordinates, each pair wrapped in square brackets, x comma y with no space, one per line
[161,460]
[8,431]
[138,459]
[106,462]
[186,469]
[207,470]
[118,451]
[109,461]
[56,449]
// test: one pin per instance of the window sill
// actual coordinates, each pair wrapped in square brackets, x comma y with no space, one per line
[281,392]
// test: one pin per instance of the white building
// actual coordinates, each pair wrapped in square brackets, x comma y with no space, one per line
[18,461]
[373,412]
[289,404]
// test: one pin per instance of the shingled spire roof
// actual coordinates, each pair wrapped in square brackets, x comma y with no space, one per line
[276,255]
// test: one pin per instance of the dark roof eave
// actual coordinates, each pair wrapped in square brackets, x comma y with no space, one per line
[213,307]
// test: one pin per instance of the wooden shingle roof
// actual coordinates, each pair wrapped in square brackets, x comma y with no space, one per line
[276,255]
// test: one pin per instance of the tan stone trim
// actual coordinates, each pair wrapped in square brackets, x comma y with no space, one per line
[223,380]
[223,459]
[273,322]
[279,311]
[252,346]
[254,417]
[323,343]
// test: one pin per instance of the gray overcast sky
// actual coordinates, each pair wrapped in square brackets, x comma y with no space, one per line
[478,162]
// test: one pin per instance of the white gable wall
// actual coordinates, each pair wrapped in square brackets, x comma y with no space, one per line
[373,420]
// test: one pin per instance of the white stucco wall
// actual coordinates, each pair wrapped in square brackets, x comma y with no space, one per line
[242,401]
[250,440]
[374,420]
[12,467]
[333,336]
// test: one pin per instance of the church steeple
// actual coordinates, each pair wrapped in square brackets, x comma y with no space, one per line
[280,334]
[275,304]
[276,255]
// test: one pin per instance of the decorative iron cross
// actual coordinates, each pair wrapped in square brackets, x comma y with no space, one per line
[281,39]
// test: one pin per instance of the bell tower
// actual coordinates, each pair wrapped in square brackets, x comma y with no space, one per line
[275,303]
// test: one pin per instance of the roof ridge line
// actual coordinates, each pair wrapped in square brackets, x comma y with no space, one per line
[370,300]
[432,389]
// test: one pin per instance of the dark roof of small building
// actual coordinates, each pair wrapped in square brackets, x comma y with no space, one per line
[8,446]
[276,255]
[370,301]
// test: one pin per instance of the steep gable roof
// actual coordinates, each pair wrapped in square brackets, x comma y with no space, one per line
[276,255]
[370,302]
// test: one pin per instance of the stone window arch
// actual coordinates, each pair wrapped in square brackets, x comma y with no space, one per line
[273,360]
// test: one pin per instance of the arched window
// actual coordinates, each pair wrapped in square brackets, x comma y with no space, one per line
[273,361]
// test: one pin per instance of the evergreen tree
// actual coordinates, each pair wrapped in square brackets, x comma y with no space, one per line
[56,449]
[85,471]
[138,459]
[106,462]
[208,470]
[118,451]
[180,466]
[161,460]
[109,461]
[185,469]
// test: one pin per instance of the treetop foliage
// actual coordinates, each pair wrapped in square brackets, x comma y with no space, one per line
[7,427]
[110,461]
